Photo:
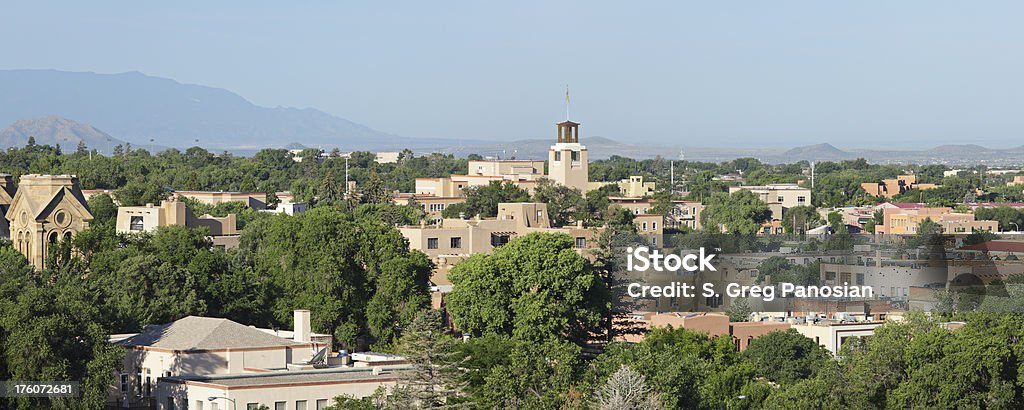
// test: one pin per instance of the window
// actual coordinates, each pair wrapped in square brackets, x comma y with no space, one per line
[300,405]
[124,382]
[136,223]
[499,239]
[581,242]
[279,405]
[654,226]
[431,243]
[558,155]
[860,279]
[575,156]
[457,242]
[801,199]
[199,405]
[645,227]
[830,276]
[214,405]
[321,404]
[252,406]
[780,198]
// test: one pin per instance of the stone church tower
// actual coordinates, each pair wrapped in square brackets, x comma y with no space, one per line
[567,159]
[46,209]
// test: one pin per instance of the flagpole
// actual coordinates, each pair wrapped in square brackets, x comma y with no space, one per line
[567,102]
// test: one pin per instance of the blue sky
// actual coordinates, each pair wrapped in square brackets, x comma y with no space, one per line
[709,73]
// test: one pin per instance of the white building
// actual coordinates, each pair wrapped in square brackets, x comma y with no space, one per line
[181,365]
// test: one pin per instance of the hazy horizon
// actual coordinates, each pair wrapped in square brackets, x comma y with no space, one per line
[909,75]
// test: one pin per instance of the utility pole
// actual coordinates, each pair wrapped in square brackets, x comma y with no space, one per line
[672,177]
[812,174]
[346,176]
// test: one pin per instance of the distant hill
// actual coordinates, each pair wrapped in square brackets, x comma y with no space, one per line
[136,108]
[818,152]
[54,130]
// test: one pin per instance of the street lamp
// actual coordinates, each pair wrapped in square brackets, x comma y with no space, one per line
[234,406]
[1015,227]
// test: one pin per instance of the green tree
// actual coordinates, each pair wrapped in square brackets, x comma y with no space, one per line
[739,310]
[375,192]
[741,212]
[535,287]
[435,375]
[564,203]
[799,219]
[785,357]
[140,191]
[483,200]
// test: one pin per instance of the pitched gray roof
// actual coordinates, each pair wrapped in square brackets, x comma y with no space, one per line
[204,333]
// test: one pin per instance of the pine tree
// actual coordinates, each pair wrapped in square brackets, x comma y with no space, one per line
[434,377]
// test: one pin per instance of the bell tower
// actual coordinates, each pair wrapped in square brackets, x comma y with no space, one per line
[567,159]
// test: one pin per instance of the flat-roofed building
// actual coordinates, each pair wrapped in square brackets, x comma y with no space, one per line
[432,206]
[519,168]
[636,187]
[453,239]
[710,323]
[254,200]
[287,390]
[787,195]
[832,334]
[683,214]
[905,221]
[889,188]
[130,219]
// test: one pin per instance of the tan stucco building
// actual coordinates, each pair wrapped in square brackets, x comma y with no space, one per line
[636,187]
[904,220]
[46,209]
[453,239]
[432,206]
[891,187]
[131,219]
[254,200]
[567,165]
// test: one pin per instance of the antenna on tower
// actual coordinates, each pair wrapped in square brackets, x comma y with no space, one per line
[567,102]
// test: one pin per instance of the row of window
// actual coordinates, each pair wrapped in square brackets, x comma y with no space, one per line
[278,405]
[575,156]
[454,242]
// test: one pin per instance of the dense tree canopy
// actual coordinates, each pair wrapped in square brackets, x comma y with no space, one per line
[533,288]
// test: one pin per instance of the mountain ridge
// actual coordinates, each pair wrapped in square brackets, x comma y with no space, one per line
[54,130]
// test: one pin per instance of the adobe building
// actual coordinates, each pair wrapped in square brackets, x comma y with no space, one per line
[567,159]
[889,188]
[780,199]
[711,324]
[254,200]
[904,219]
[130,219]
[453,239]
[46,209]
[567,165]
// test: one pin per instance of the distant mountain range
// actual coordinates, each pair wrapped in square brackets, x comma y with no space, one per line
[54,130]
[59,107]
[136,108]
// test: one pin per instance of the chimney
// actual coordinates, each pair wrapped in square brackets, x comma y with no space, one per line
[302,331]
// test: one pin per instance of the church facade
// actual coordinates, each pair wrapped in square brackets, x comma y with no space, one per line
[45,210]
